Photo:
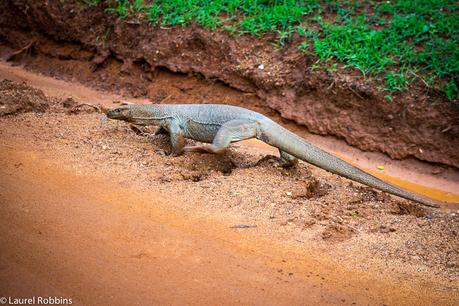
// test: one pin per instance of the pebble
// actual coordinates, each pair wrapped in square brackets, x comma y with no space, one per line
[423,223]
[450,264]
[386,229]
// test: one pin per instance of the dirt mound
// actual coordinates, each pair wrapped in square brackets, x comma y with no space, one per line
[18,98]
[86,43]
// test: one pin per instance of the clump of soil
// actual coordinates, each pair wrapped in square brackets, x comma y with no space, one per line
[314,189]
[18,98]
[406,208]
[337,232]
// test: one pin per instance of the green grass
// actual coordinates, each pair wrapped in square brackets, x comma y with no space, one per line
[90,2]
[395,42]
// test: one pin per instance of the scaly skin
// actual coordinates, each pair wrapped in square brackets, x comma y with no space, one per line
[220,125]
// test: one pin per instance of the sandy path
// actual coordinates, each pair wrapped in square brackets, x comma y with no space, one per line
[79,237]
[91,239]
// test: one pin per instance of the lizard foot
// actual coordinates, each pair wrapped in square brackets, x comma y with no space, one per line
[286,164]
[277,162]
[205,149]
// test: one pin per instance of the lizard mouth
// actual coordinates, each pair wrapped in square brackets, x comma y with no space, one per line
[115,114]
[111,115]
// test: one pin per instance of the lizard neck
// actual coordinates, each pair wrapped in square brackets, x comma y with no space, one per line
[146,115]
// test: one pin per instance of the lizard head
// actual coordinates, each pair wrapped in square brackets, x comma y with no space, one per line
[134,113]
[120,113]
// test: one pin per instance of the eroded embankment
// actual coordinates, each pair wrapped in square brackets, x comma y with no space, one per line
[70,40]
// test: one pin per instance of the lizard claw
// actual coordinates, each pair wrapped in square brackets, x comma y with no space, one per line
[161,152]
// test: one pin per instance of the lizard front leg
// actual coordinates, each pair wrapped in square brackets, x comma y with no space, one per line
[176,137]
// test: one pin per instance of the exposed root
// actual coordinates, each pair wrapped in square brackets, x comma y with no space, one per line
[27,48]
[77,109]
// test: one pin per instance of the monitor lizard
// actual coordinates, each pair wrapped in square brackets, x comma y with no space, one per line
[216,126]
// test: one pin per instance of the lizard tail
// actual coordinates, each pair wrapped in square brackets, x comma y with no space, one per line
[301,149]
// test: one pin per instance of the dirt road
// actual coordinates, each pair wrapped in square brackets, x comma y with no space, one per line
[98,243]
[90,212]
[91,239]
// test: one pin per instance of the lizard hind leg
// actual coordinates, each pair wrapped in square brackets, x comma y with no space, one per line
[231,131]
[287,160]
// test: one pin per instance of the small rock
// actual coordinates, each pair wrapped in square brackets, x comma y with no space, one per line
[309,223]
[69,103]
[287,222]
[165,179]
[261,66]
[450,264]
[386,229]
[423,223]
